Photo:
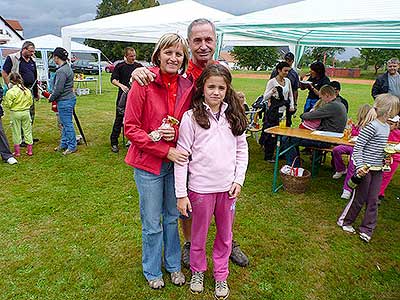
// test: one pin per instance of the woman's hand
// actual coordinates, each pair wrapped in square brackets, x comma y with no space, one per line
[143,76]
[235,190]
[184,206]
[177,156]
[167,133]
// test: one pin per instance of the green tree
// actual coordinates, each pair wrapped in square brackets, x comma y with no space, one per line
[324,54]
[255,58]
[114,50]
[377,57]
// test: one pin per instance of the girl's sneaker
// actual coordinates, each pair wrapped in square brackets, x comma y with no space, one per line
[221,290]
[337,175]
[349,229]
[346,195]
[365,237]
[29,150]
[197,282]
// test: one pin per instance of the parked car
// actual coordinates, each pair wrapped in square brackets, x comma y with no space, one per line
[111,66]
[85,67]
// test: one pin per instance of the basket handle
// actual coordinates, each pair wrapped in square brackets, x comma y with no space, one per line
[292,166]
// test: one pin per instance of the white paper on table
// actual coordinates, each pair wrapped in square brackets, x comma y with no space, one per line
[328,133]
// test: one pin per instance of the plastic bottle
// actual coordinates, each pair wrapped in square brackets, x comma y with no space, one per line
[356,179]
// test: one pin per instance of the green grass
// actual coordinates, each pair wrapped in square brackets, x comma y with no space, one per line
[70,226]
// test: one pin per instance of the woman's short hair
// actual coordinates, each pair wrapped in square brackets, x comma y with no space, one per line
[319,68]
[281,65]
[170,40]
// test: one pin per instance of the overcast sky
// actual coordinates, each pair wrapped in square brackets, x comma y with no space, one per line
[39,17]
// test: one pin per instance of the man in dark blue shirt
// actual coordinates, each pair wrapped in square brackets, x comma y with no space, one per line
[23,63]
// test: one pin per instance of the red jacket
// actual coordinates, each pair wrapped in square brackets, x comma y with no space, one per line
[146,107]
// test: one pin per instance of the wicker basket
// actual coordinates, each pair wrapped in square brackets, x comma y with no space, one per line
[296,184]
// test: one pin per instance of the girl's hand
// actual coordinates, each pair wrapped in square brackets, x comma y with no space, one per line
[235,190]
[184,206]
[362,172]
[177,156]
[168,134]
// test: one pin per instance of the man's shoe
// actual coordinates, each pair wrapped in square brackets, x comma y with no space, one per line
[186,255]
[12,161]
[35,140]
[221,290]
[197,282]
[114,148]
[237,256]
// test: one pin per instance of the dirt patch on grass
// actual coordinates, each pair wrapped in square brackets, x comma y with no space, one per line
[341,80]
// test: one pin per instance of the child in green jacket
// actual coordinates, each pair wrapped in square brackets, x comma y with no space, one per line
[19,99]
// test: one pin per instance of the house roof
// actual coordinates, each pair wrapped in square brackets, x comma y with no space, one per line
[15,25]
[9,26]
[227,56]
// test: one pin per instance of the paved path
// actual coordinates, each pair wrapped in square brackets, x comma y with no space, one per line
[341,80]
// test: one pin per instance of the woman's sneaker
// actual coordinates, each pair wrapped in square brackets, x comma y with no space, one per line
[156,284]
[221,290]
[197,283]
[365,237]
[178,278]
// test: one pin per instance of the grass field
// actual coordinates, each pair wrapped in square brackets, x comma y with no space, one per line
[70,226]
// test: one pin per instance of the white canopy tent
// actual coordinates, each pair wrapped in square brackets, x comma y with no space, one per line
[47,43]
[339,23]
[148,25]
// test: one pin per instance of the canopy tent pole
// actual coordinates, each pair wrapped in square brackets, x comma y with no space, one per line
[100,77]
[218,48]
[45,64]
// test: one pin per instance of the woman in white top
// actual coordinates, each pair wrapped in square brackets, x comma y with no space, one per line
[272,116]
[281,79]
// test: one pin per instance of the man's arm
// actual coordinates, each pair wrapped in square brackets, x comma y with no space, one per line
[6,70]
[142,76]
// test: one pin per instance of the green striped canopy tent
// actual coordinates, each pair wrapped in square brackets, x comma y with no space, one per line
[322,23]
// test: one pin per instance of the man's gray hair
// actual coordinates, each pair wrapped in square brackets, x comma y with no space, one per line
[201,21]
[27,44]
[393,60]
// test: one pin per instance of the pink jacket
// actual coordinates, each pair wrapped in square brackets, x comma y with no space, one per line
[146,107]
[218,158]
[394,136]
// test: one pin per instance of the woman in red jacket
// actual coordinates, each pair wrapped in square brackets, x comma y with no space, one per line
[151,117]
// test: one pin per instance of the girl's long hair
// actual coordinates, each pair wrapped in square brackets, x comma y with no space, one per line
[384,104]
[234,112]
[16,79]
[362,115]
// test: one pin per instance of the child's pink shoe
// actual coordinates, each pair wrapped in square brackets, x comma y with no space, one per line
[29,150]
[17,151]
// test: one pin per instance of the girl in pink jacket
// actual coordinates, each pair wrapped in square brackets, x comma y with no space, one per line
[213,134]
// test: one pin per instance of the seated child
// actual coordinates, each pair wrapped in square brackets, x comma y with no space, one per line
[312,124]
[338,151]
[336,86]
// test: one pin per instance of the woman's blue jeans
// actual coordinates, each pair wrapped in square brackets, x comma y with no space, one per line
[159,217]
[65,111]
